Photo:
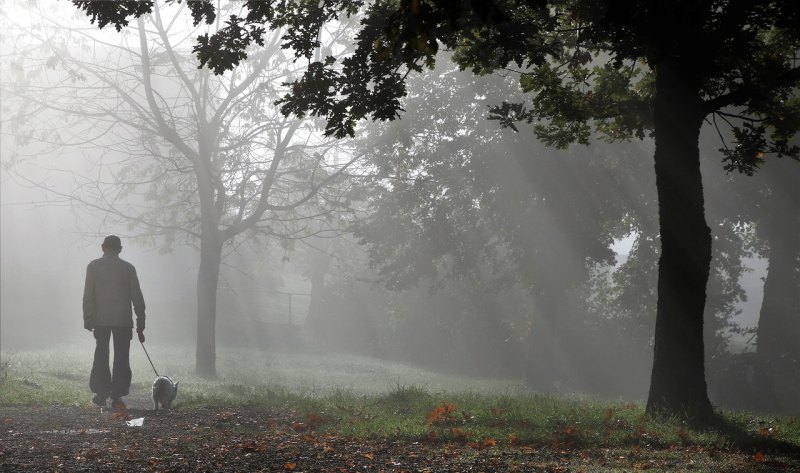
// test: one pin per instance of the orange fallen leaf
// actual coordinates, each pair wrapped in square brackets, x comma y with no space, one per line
[758,457]
[767,431]
[289,466]
[441,414]
[458,433]
[368,456]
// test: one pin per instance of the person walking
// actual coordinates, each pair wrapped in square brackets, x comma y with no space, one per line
[111,288]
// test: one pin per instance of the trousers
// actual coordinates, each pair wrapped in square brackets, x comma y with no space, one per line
[114,382]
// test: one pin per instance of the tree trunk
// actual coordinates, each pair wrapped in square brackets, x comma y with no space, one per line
[546,359]
[207,281]
[778,336]
[677,384]
[210,259]
[319,264]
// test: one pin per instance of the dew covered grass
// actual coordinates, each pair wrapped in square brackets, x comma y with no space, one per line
[246,375]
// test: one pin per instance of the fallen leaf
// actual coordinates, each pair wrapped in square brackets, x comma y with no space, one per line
[314,420]
[252,446]
[441,414]
[299,426]
[91,454]
[767,431]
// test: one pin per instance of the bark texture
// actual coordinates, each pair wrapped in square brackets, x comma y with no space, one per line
[678,384]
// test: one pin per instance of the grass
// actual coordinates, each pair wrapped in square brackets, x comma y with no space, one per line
[59,374]
[370,399]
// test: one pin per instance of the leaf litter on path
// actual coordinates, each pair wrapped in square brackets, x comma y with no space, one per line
[249,438]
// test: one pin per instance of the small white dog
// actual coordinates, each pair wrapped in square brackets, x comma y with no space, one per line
[164,392]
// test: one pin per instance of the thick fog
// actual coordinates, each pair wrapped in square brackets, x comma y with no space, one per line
[450,243]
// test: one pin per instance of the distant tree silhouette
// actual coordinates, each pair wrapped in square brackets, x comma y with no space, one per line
[778,336]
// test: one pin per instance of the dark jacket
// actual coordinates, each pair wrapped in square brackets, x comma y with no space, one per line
[110,290]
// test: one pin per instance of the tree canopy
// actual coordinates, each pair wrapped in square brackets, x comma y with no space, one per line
[583,60]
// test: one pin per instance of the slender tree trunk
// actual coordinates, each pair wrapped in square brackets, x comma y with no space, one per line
[320,261]
[545,359]
[207,281]
[778,340]
[210,258]
[678,384]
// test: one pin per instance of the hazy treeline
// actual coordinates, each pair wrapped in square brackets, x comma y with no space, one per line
[496,253]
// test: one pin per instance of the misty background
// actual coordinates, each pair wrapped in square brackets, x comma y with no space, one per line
[439,240]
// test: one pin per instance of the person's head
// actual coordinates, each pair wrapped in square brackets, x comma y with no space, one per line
[112,243]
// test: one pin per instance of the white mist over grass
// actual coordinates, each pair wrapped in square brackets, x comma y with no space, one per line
[65,367]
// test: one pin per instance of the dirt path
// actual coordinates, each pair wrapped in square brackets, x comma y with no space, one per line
[85,439]
[248,439]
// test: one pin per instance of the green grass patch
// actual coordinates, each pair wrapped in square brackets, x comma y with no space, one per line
[370,399]
[483,420]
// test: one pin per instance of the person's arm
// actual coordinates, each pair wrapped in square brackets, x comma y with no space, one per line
[89,304]
[138,300]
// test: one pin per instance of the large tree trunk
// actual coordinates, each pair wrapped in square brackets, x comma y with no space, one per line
[778,340]
[678,384]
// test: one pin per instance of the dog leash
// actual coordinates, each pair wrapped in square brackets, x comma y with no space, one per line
[148,358]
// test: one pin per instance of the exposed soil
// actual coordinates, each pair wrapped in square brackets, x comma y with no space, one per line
[242,439]
[84,438]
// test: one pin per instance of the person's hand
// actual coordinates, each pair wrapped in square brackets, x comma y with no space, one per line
[140,332]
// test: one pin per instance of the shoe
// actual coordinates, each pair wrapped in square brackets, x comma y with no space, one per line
[99,400]
[117,404]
